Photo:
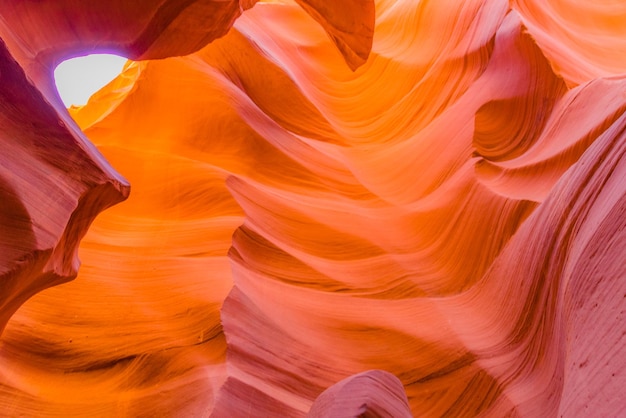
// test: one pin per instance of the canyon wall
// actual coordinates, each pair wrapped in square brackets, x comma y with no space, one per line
[324,209]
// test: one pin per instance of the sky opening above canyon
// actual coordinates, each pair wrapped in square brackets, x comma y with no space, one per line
[78,78]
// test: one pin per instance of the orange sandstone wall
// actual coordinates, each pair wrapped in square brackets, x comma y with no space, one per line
[396,209]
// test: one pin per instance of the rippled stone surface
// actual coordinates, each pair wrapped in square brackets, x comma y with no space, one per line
[324,196]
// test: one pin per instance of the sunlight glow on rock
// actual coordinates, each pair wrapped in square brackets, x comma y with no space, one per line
[385,208]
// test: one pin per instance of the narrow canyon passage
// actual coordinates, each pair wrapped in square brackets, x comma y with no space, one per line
[296,208]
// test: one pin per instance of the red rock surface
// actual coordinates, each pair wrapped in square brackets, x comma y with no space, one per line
[374,393]
[325,195]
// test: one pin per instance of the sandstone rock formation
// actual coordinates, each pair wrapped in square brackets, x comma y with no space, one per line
[374,393]
[325,195]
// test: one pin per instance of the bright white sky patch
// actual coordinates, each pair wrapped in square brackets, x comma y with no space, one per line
[78,78]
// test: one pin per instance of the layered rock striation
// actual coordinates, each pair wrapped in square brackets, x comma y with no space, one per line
[390,208]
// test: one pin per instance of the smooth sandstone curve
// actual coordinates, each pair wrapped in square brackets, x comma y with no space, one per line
[450,213]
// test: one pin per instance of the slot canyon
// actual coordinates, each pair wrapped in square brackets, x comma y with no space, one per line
[315,208]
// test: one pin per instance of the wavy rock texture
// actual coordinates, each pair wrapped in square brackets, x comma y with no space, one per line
[52,185]
[374,393]
[337,210]
[583,40]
